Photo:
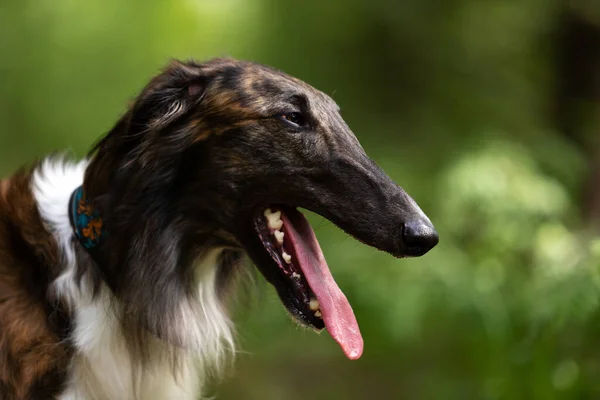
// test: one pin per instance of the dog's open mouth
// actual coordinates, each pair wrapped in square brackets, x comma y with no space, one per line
[310,293]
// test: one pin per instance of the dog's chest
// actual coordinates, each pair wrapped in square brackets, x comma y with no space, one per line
[104,369]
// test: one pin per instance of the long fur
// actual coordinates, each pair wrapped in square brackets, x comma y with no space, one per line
[104,364]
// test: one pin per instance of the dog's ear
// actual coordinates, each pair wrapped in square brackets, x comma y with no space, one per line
[170,95]
[178,90]
[167,98]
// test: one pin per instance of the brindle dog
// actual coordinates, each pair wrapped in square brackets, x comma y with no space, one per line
[208,165]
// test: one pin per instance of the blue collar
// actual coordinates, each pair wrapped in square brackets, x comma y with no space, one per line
[85,220]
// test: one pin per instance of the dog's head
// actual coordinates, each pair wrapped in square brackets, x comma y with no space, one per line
[221,154]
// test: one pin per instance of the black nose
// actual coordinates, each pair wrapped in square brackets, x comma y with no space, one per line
[418,236]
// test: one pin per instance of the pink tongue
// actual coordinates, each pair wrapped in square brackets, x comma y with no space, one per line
[335,308]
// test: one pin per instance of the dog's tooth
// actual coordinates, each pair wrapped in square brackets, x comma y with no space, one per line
[279,236]
[296,275]
[272,214]
[268,212]
[286,257]
[275,223]
[273,219]
[318,314]
[314,304]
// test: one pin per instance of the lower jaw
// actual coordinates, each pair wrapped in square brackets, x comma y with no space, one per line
[293,289]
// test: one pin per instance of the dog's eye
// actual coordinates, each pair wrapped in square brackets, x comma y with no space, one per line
[296,119]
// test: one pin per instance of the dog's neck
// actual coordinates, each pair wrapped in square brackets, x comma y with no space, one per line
[183,309]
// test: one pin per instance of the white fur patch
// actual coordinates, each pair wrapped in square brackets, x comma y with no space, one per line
[53,183]
[103,367]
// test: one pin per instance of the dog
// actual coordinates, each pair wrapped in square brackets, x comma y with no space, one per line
[116,271]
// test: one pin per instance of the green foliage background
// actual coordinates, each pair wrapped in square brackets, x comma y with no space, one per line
[451,98]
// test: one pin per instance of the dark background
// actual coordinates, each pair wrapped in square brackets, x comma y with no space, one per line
[487,112]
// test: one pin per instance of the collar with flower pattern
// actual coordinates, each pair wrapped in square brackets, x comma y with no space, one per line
[85,220]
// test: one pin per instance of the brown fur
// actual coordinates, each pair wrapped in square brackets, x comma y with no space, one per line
[33,360]
[3,189]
